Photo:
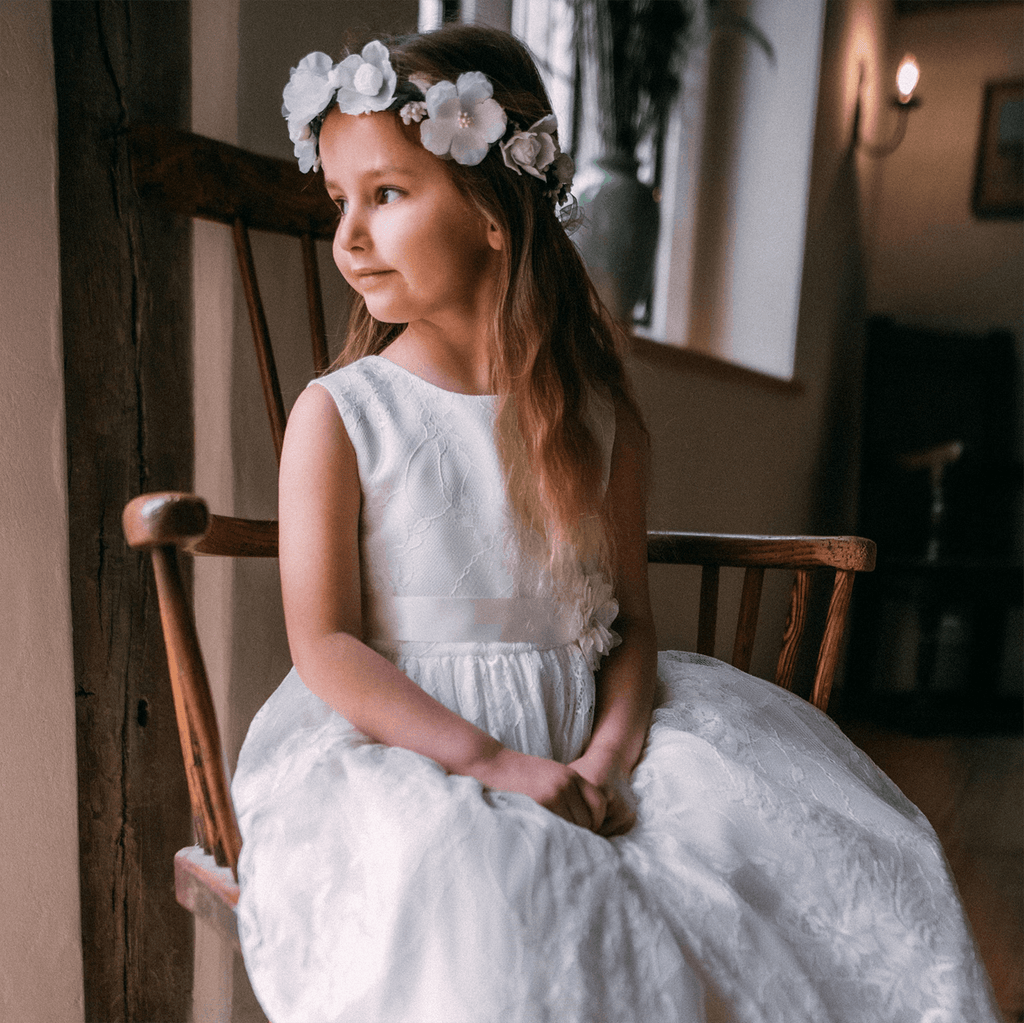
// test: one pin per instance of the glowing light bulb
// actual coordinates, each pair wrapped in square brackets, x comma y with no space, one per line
[907,78]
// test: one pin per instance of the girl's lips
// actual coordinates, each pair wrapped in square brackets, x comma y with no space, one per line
[368,278]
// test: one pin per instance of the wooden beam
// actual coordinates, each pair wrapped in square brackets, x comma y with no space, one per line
[201,177]
[126,297]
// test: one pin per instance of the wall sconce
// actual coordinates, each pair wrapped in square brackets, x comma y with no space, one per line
[907,76]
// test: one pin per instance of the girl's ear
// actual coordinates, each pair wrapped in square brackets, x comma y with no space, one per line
[495,238]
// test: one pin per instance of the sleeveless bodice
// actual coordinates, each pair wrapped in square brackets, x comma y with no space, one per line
[446,586]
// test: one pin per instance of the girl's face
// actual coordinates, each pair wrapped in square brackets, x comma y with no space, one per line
[408,241]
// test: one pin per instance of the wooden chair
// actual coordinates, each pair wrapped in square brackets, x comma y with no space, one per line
[202,178]
[168,523]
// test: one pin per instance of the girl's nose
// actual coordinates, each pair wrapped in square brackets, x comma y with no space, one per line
[352,231]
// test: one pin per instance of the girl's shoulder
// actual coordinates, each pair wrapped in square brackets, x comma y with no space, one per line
[363,395]
[353,379]
[370,387]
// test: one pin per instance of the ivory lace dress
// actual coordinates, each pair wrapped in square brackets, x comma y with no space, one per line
[773,871]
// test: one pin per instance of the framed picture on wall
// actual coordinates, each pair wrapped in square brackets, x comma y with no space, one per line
[999,179]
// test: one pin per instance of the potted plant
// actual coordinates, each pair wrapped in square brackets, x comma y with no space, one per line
[634,51]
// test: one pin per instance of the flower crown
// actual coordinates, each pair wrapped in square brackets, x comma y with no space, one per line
[459,121]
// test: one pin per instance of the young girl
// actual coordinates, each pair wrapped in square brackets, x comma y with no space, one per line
[472,800]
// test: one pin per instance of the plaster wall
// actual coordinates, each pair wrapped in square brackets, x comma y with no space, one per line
[933,262]
[732,454]
[754,182]
[40,940]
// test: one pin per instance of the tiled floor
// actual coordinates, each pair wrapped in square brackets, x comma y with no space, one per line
[971,788]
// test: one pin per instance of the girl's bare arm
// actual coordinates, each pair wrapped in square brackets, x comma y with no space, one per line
[626,679]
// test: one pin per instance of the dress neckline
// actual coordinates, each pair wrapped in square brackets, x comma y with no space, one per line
[427,383]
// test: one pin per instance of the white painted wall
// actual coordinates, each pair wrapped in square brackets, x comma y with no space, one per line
[773,177]
[736,186]
[40,935]
[934,263]
[731,454]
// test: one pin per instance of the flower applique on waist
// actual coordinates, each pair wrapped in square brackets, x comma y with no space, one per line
[598,610]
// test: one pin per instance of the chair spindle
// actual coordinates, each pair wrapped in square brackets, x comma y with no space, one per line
[212,810]
[707,618]
[746,623]
[315,299]
[796,621]
[260,335]
[835,620]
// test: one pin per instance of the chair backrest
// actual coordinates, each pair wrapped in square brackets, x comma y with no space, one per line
[804,556]
[210,180]
[167,523]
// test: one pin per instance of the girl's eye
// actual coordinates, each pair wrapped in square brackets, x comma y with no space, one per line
[389,195]
[342,205]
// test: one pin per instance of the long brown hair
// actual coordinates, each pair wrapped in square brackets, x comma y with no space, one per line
[555,344]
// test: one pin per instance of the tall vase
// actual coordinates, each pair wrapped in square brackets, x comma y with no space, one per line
[619,233]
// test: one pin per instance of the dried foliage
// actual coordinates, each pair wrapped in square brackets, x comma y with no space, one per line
[636,49]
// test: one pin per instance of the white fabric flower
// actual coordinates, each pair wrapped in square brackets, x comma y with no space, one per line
[307,152]
[533,150]
[459,121]
[414,111]
[307,95]
[598,609]
[366,81]
[463,119]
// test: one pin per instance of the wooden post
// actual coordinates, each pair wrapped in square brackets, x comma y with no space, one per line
[126,297]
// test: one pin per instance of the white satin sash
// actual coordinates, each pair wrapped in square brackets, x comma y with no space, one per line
[540,621]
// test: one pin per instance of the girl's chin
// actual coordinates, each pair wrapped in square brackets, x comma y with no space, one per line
[386,312]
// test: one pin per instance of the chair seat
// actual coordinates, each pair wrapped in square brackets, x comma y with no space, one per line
[208,891]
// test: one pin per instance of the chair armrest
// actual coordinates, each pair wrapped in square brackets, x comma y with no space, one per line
[167,518]
[162,523]
[849,553]
[183,520]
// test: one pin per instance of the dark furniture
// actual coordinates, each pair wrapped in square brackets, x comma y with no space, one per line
[937,629]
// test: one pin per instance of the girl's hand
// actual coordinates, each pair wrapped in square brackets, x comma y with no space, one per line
[557,787]
[620,806]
